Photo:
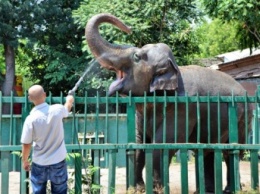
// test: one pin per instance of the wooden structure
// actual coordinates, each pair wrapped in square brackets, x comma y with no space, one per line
[243,65]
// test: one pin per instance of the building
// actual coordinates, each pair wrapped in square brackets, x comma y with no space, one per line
[243,65]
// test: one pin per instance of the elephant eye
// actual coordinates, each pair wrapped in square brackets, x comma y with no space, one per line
[136,57]
[161,71]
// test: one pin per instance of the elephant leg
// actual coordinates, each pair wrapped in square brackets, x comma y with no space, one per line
[157,182]
[139,166]
[209,172]
[227,161]
[226,158]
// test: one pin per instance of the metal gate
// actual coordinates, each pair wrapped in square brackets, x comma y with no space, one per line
[108,137]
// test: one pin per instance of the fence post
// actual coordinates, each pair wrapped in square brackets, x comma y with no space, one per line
[184,171]
[254,153]
[130,166]
[233,154]
[199,166]
[78,172]
[218,171]
[5,171]
[112,171]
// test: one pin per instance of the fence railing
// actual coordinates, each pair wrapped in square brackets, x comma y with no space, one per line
[98,124]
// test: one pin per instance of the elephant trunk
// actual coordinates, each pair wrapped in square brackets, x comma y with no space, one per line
[108,55]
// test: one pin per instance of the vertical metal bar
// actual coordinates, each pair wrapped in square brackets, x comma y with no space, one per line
[14,143]
[166,189]
[198,119]
[164,117]
[78,172]
[176,118]
[184,171]
[187,118]
[106,130]
[200,179]
[1,129]
[97,152]
[97,119]
[219,118]
[24,184]
[218,171]
[74,129]
[26,108]
[131,120]
[5,172]
[85,118]
[154,116]
[233,128]
[49,98]
[256,141]
[145,118]
[254,169]
[107,120]
[208,117]
[84,152]
[234,154]
[257,118]
[117,123]
[11,128]
[149,170]
[130,168]
[234,171]
[246,116]
[96,176]
[24,174]
[112,171]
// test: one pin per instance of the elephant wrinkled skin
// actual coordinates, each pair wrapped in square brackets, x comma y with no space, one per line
[152,68]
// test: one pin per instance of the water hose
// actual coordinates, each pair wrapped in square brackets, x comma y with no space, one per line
[73,90]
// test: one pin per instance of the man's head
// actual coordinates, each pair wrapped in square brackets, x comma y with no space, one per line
[37,94]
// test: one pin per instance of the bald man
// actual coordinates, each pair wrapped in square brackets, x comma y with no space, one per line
[44,128]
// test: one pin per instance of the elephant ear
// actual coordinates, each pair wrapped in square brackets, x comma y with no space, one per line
[166,78]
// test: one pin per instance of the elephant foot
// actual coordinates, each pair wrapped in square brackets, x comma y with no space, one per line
[228,191]
[140,188]
[158,189]
[212,192]
[207,192]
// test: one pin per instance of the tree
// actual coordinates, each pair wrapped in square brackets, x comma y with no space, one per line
[216,37]
[58,59]
[45,32]
[244,12]
[151,21]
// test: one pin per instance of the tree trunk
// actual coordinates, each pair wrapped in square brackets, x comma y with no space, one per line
[9,75]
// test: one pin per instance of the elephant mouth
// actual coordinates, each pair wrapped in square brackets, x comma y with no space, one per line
[117,85]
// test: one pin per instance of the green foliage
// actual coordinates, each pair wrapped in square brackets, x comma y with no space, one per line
[57,58]
[48,44]
[88,186]
[246,13]
[151,22]
[216,37]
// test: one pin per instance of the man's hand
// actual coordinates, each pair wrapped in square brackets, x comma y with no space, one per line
[26,148]
[70,99]
[26,165]
[69,102]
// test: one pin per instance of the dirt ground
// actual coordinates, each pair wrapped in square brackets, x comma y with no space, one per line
[175,179]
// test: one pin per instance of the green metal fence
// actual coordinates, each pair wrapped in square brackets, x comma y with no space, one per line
[108,135]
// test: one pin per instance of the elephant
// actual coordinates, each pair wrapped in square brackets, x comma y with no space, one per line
[153,69]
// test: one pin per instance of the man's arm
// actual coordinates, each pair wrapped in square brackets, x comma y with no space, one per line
[69,102]
[26,149]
